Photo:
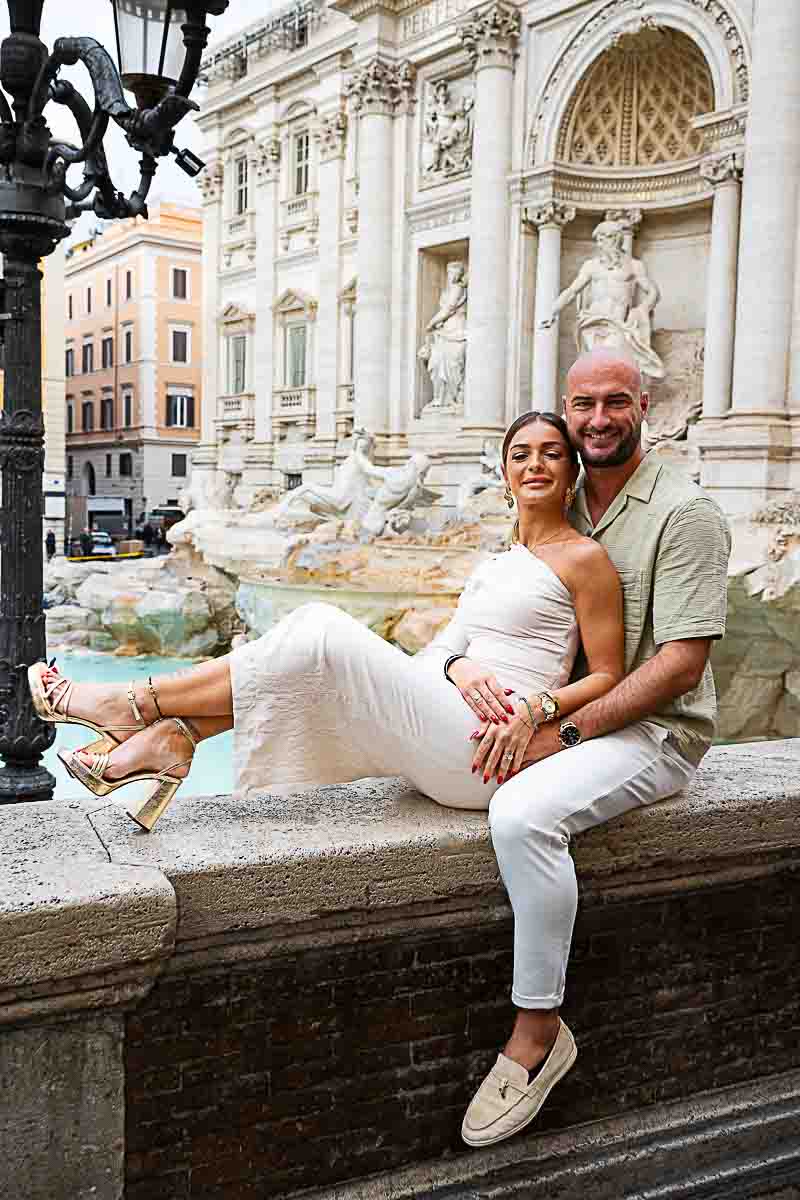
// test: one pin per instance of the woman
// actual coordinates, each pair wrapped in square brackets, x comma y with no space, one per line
[321,700]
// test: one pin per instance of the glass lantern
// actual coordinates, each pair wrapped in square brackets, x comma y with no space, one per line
[150,46]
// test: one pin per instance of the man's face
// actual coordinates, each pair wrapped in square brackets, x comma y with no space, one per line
[604,412]
[610,243]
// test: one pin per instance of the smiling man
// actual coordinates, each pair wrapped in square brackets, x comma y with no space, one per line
[638,744]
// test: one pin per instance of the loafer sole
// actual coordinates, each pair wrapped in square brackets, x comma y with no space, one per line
[501,1137]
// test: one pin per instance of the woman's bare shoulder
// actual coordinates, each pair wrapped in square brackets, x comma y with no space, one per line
[587,561]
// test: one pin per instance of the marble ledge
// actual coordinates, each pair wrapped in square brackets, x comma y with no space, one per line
[93,908]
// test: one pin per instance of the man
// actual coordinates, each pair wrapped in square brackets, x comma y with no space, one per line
[639,743]
[50,544]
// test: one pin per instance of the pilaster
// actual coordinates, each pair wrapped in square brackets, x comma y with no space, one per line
[548,219]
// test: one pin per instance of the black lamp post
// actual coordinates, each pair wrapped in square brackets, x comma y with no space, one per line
[159,47]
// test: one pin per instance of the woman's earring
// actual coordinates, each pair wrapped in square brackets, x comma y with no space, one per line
[569,496]
[508,496]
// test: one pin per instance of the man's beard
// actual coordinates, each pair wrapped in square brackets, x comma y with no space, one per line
[616,457]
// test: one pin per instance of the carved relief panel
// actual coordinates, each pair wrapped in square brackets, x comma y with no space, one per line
[446,130]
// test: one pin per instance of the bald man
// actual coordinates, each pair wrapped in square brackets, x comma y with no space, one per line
[638,744]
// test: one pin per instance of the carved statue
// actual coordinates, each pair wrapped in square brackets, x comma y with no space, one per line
[609,311]
[209,489]
[444,352]
[491,476]
[400,490]
[447,132]
[348,493]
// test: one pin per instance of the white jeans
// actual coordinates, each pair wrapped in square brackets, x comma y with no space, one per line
[532,817]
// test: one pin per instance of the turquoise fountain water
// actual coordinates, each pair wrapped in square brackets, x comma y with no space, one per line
[212,769]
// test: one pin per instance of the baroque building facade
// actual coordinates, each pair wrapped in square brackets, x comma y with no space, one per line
[415,213]
[132,357]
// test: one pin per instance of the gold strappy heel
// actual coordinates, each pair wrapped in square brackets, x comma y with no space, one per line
[148,812]
[51,704]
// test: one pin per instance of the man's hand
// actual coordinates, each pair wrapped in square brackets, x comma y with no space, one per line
[479,687]
[545,743]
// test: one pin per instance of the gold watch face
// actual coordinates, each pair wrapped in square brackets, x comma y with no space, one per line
[548,706]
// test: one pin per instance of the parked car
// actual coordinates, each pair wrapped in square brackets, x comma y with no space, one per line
[102,543]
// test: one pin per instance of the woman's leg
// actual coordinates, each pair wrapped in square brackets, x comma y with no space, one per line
[160,747]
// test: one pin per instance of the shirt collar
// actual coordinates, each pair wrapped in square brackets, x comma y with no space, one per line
[640,486]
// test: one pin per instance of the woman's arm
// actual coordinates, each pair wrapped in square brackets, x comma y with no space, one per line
[597,596]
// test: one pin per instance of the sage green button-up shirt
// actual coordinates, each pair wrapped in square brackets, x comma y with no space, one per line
[670,544]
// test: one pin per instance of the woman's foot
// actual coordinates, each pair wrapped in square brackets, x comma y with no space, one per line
[160,747]
[534,1033]
[106,704]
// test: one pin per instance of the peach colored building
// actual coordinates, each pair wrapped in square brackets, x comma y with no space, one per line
[133,362]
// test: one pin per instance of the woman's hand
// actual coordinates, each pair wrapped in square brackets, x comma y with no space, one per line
[501,750]
[487,699]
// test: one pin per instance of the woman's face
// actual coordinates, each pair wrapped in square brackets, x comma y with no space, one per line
[538,466]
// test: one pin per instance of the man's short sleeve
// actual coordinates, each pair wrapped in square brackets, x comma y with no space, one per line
[690,584]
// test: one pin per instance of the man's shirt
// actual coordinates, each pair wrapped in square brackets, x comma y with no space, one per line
[670,544]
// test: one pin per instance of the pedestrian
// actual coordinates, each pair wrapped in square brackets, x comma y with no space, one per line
[161,540]
[50,544]
[148,533]
[86,541]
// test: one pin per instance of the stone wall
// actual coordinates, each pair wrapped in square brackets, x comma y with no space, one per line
[304,992]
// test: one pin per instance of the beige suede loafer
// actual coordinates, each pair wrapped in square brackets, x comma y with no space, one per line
[505,1102]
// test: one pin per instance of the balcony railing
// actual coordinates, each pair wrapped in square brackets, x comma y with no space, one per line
[236,409]
[293,406]
[299,211]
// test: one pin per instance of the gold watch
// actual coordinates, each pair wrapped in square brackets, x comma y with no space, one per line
[549,706]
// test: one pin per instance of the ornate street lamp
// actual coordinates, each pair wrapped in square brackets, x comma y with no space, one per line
[159,47]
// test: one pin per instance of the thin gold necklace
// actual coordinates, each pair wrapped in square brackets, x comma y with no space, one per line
[543,542]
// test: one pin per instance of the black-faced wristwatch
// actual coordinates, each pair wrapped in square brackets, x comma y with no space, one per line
[569,735]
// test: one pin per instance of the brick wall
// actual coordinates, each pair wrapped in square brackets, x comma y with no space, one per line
[260,1079]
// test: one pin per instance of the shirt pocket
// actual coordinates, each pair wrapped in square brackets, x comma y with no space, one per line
[633,610]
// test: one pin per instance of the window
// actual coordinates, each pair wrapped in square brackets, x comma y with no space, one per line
[240,185]
[88,300]
[126,464]
[87,357]
[88,416]
[69,362]
[107,412]
[180,410]
[179,464]
[69,308]
[108,465]
[128,284]
[293,480]
[301,151]
[127,409]
[70,466]
[128,345]
[107,352]
[237,363]
[180,345]
[179,288]
[70,418]
[296,344]
[108,293]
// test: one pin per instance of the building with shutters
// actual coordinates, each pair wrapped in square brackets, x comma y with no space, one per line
[133,359]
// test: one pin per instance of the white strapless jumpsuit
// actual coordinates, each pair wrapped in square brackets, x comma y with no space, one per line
[321,699]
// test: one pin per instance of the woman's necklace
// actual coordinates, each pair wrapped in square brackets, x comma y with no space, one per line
[544,541]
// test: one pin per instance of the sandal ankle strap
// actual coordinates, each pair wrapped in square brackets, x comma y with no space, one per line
[187,729]
[152,692]
[131,694]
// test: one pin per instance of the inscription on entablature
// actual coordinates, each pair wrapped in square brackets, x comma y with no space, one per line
[431,16]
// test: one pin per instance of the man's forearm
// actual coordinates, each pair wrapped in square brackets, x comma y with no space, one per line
[639,695]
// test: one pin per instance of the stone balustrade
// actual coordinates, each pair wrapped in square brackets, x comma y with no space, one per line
[264,997]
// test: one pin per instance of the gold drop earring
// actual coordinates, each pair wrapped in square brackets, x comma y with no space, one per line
[569,496]
[508,496]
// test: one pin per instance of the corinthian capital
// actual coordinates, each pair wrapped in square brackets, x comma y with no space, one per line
[551,213]
[491,34]
[723,170]
[268,157]
[330,133]
[210,182]
[382,87]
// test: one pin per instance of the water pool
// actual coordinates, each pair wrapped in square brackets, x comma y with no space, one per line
[212,769]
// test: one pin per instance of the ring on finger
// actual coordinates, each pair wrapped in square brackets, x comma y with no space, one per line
[508,757]
[476,696]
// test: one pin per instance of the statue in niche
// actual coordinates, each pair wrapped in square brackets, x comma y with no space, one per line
[491,476]
[444,353]
[447,132]
[401,489]
[342,499]
[616,298]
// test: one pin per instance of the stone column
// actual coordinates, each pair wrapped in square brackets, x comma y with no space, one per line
[211,183]
[549,220]
[724,174]
[769,212]
[330,134]
[380,88]
[490,36]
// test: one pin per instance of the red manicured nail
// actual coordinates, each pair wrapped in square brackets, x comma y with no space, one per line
[486,779]
[499,778]
[510,710]
[505,720]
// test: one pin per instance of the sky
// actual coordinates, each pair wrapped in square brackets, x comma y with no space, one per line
[93,18]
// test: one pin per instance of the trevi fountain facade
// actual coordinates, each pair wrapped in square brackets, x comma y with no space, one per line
[415,214]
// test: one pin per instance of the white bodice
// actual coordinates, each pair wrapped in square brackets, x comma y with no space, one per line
[516,616]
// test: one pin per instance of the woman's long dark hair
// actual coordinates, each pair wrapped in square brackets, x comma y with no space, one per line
[528,418]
